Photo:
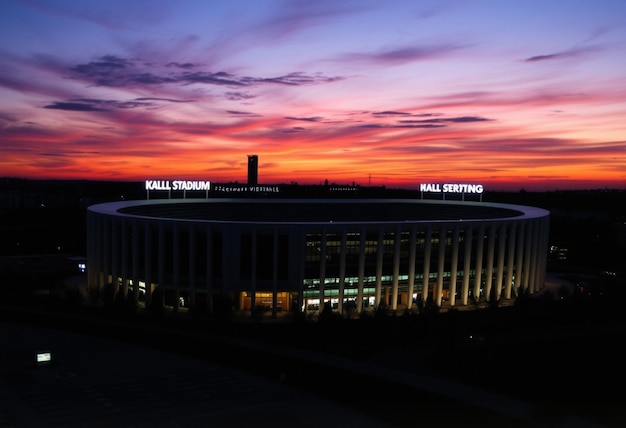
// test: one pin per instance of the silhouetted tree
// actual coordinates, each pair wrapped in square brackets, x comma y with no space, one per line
[108,295]
[157,303]
[222,307]
[382,310]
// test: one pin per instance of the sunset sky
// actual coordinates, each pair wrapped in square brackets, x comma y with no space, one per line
[510,94]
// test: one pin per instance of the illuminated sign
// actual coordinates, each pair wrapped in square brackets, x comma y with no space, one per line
[343,189]
[244,188]
[177,185]
[451,188]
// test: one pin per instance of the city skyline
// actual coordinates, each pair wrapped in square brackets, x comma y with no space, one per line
[520,94]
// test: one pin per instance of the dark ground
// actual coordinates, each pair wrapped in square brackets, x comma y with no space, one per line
[565,357]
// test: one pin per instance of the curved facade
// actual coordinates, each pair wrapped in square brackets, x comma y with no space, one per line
[307,254]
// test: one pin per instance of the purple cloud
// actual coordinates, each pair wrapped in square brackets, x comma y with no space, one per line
[113,71]
[461,119]
[294,129]
[401,55]
[73,106]
[185,66]
[296,78]
[96,105]
[560,55]
[238,96]
[305,119]
[242,113]
[391,113]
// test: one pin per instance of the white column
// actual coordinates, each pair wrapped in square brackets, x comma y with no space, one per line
[441,258]
[209,269]
[161,268]
[252,256]
[511,239]
[94,256]
[275,272]
[322,269]
[528,255]
[191,239]
[519,254]
[105,251]
[426,268]
[124,256]
[230,249]
[342,269]
[176,264]
[89,253]
[135,259]
[396,268]
[106,259]
[297,237]
[490,258]
[147,251]
[454,263]
[542,245]
[105,229]
[97,251]
[535,258]
[379,264]
[480,244]
[359,298]
[502,238]
[115,254]
[467,256]
[412,252]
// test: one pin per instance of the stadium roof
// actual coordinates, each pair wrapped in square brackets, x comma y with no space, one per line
[316,210]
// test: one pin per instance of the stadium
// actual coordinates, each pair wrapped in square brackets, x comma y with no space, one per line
[309,255]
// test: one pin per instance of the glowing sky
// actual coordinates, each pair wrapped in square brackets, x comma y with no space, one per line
[511,94]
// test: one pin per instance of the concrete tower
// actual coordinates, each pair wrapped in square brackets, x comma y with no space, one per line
[253,170]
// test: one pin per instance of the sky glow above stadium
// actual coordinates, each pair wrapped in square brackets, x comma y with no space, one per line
[515,94]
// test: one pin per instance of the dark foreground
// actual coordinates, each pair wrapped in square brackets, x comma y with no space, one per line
[540,362]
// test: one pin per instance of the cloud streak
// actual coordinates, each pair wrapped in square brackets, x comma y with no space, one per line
[400,55]
[113,71]
[572,53]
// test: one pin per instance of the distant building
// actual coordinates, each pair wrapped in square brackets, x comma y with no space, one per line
[253,170]
[310,254]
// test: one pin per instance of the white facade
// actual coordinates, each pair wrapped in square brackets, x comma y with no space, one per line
[310,254]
